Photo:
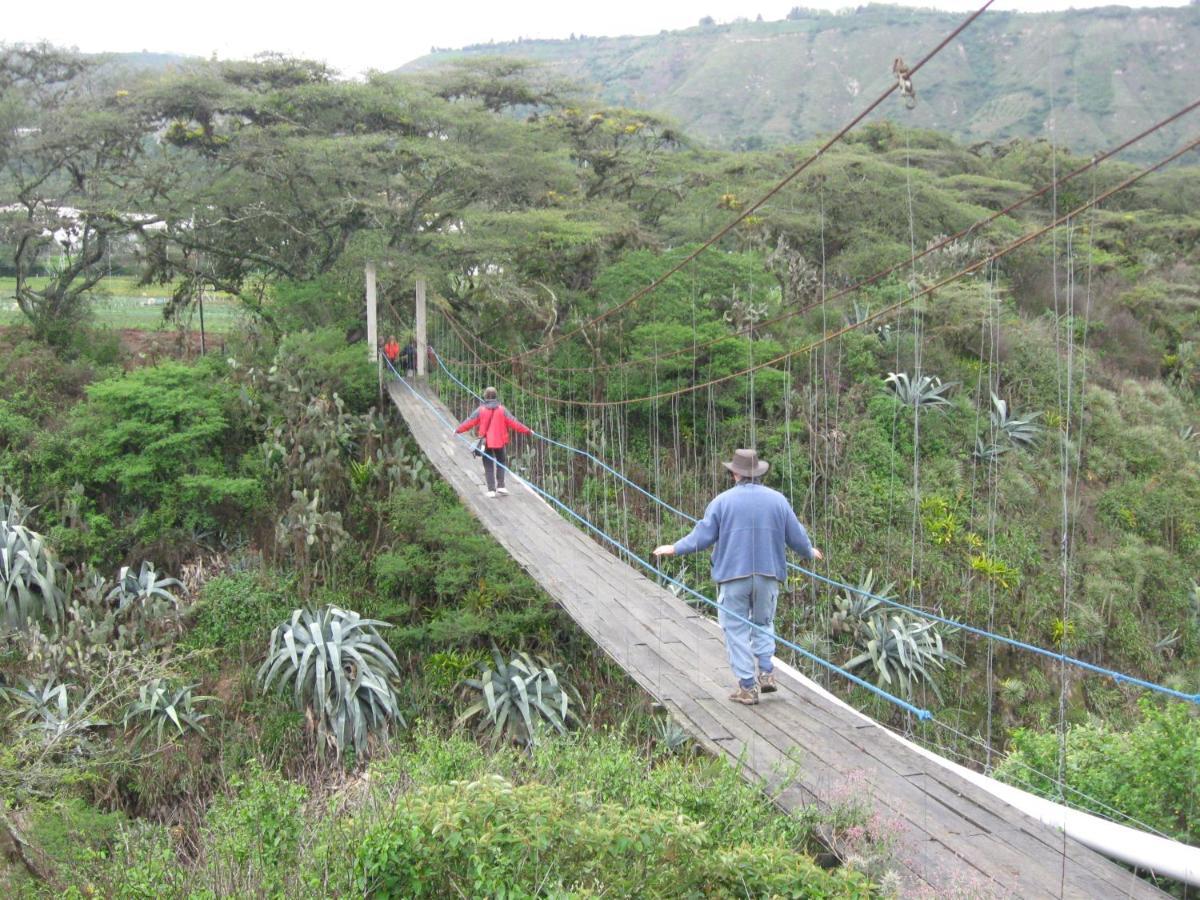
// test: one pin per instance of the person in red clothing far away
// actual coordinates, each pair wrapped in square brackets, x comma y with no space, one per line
[391,349]
[494,423]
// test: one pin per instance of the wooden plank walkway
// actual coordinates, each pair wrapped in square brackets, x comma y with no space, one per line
[952,838]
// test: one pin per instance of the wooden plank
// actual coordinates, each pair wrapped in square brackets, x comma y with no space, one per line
[955,834]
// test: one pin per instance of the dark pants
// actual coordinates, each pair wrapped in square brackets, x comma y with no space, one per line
[492,472]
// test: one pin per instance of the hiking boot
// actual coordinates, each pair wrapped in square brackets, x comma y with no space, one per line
[491,493]
[766,682]
[502,490]
[745,696]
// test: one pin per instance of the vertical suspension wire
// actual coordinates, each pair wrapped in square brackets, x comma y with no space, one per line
[656,439]
[793,619]
[821,461]
[993,503]
[918,335]
[695,459]
[1063,447]
[918,360]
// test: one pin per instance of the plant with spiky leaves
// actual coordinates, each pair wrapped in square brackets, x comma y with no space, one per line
[1021,431]
[926,392]
[12,508]
[340,672]
[903,651]
[34,586]
[48,706]
[518,696]
[853,607]
[145,589]
[671,736]
[161,705]
[988,453]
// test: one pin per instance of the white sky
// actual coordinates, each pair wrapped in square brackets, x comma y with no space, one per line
[356,35]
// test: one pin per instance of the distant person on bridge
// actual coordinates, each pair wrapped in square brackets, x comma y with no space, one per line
[408,357]
[493,422]
[391,349]
[752,526]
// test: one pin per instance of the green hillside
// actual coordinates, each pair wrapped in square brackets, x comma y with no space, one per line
[1086,78]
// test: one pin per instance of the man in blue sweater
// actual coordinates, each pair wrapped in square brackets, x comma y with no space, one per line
[752,526]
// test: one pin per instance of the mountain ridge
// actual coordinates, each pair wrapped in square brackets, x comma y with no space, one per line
[1083,78]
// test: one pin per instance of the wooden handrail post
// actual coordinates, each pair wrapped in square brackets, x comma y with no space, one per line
[372,316]
[421,335]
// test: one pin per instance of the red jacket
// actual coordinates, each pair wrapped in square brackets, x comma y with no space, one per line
[494,423]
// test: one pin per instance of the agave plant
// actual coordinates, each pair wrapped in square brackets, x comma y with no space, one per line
[160,705]
[1020,431]
[145,589]
[519,695]
[988,453]
[857,314]
[48,706]
[853,607]
[903,650]
[13,510]
[670,735]
[928,391]
[340,672]
[33,585]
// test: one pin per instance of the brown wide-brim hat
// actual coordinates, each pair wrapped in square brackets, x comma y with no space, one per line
[747,464]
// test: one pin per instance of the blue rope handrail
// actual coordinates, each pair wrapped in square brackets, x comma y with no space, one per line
[922,714]
[1119,677]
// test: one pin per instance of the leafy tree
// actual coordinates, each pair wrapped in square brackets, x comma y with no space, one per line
[70,147]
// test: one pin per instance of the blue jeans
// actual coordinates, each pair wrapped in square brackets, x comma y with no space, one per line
[754,598]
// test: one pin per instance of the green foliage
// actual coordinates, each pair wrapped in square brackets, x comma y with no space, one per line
[323,360]
[491,838]
[446,669]
[1149,772]
[143,590]
[457,586]
[161,705]
[258,823]
[158,450]
[340,673]
[236,610]
[520,697]
[854,608]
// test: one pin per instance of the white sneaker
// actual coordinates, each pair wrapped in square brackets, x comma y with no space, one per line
[491,493]
[502,491]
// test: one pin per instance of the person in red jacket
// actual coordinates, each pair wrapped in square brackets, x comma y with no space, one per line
[493,422]
[391,349]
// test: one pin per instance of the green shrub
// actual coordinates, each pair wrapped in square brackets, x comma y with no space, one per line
[159,451]
[260,822]
[461,587]
[322,360]
[491,838]
[1151,772]
[237,611]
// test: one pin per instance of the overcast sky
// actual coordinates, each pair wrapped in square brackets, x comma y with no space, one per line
[356,35]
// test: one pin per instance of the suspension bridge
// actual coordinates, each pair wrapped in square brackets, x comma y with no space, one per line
[955,832]
[952,837]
